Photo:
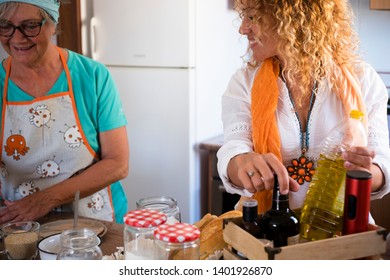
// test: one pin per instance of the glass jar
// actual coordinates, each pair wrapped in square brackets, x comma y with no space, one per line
[19,240]
[178,241]
[164,204]
[138,234]
[79,244]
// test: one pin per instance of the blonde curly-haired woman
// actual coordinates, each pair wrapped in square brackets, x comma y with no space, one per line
[302,77]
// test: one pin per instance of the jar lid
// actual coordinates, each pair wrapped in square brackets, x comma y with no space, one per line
[177,233]
[144,218]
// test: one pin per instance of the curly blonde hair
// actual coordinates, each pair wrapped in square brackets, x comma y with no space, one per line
[316,37]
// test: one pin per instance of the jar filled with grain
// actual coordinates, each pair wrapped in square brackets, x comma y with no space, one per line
[20,240]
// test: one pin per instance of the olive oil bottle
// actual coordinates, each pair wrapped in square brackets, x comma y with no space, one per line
[280,224]
[323,209]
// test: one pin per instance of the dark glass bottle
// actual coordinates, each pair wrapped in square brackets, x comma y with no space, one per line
[280,224]
[250,220]
[250,217]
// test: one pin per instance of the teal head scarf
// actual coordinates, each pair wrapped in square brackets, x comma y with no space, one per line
[50,6]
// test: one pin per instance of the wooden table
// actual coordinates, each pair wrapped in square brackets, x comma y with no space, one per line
[109,241]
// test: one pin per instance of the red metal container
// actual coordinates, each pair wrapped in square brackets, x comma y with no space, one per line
[357,201]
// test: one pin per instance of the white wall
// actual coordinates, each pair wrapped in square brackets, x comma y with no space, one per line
[373,27]
[225,56]
[216,61]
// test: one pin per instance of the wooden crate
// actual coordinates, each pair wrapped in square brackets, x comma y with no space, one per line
[369,244]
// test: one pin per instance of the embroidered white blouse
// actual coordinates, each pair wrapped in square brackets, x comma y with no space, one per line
[326,113]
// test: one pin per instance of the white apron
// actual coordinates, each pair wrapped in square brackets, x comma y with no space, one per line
[42,143]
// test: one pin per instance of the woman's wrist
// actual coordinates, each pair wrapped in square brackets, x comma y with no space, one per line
[378,179]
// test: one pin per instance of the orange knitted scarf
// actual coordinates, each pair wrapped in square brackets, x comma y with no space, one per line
[265,132]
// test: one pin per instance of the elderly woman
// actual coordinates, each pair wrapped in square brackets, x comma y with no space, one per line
[62,125]
[303,77]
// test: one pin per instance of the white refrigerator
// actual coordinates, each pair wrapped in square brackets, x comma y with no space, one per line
[171,61]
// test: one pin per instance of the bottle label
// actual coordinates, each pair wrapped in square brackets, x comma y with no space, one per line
[292,240]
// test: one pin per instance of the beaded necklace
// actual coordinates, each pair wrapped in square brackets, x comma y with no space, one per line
[302,169]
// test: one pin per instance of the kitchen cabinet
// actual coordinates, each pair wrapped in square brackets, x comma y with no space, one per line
[215,199]
[70,26]
[380,211]
[380,4]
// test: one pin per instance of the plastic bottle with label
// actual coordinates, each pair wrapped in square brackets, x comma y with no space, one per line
[323,208]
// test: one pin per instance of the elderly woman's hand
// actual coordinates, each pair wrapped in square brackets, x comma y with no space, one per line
[30,208]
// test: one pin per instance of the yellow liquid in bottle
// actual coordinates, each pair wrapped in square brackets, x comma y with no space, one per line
[322,212]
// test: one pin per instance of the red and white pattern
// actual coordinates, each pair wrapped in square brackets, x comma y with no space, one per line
[144,218]
[177,233]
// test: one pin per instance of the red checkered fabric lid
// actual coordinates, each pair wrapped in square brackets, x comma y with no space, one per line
[144,218]
[177,233]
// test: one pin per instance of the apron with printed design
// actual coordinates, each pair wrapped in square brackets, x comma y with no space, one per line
[42,143]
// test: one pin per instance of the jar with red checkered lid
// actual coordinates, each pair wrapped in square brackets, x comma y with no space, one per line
[139,233]
[178,241]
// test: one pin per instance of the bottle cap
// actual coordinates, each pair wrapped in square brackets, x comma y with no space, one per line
[250,203]
[359,174]
[177,233]
[144,218]
[355,114]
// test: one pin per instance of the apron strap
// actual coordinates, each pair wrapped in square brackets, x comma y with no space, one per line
[5,91]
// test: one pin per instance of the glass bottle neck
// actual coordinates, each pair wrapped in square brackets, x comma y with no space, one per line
[280,201]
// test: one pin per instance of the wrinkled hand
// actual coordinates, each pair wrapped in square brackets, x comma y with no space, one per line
[359,158]
[30,208]
[255,172]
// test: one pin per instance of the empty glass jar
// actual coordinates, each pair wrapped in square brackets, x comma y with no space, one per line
[164,204]
[79,244]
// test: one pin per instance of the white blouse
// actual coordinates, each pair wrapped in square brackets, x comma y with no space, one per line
[326,113]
